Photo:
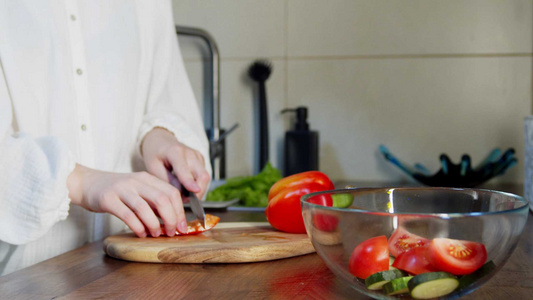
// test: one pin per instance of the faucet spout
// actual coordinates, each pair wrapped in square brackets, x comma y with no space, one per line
[217,157]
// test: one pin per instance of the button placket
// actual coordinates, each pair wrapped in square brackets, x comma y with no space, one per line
[81,85]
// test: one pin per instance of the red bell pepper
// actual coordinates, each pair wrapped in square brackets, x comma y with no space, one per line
[300,179]
[284,211]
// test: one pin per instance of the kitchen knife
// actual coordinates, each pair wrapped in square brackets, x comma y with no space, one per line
[196,206]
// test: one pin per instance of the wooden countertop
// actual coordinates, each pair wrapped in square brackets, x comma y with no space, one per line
[87,273]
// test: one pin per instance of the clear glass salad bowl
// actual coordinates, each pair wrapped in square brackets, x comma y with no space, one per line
[419,243]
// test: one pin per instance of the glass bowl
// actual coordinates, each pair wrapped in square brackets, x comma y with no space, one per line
[435,221]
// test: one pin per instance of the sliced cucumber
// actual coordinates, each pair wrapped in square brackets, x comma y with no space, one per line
[377,280]
[432,285]
[397,286]
[467,280]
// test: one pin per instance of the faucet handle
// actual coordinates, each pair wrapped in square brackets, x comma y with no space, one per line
[215,148]
[224,135]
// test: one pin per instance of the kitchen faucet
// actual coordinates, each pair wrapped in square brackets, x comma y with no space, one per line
[216,135]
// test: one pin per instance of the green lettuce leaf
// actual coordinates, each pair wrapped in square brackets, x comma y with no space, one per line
[250,190]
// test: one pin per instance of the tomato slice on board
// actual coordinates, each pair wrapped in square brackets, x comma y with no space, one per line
[402,240]
[456,256]
[194,227]
[369,257]
[315,177]
[414,261]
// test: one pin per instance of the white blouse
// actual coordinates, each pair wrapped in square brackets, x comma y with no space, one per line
[80,82]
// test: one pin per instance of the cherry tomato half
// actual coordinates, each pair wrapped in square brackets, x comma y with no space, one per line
[369,257]
[414,261]
[402,240]
[456,256]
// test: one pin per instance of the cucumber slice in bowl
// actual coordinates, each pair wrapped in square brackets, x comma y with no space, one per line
[432,285]
[397,286]
[469,279]
[377,280]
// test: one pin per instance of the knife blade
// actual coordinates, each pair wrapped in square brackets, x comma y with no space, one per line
[196,206]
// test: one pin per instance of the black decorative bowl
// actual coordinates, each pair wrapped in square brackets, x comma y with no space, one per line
[457,175]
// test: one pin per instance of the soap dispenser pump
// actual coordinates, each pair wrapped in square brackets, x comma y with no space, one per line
[301,145]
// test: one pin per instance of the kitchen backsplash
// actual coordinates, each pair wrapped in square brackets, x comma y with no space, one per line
[422,77]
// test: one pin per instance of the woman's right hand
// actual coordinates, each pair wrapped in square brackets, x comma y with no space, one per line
[138,199]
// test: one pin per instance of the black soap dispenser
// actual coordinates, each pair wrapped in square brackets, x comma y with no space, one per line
[301,145]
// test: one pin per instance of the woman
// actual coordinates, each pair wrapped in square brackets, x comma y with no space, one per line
[90,92]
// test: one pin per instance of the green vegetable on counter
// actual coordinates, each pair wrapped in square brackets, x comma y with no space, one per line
[250,190]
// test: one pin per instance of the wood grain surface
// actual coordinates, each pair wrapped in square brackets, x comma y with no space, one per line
[88,273]
[226,243]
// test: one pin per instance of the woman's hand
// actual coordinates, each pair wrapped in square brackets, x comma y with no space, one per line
[169,160]
[135,198]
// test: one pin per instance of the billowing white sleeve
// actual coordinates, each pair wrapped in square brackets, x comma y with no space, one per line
[171,101]
[33,176]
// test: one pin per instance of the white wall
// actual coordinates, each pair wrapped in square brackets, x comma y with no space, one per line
[420,76]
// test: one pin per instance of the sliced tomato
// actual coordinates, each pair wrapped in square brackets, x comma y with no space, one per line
[402,240]
[456,256]
[194,227]
[300,179]
[414,261]
[369,257]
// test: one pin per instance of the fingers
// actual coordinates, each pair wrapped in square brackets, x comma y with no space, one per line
[202,179]
[135,203]
[163,154]
[158,169]
[138,199]
[189,167]
[177,165]
[166,200]
[144,213]
[117,207]
[198,170]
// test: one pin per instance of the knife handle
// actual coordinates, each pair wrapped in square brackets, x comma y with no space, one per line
[185,193]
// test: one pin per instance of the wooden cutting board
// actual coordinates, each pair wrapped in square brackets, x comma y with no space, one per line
[226,243]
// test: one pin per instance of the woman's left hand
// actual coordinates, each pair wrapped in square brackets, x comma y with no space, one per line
[168,159]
